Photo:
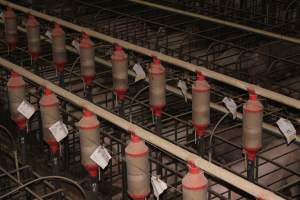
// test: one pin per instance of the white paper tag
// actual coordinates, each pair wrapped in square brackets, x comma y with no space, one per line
[140,73]
[59,130]
[24,21]
[48,34]
[101,157]
[230,105]
[75,44]
[182,85]
[1,15]
[26,109]
[287,128]
[158,185]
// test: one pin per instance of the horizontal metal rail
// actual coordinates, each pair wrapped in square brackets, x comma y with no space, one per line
[220,21]
[181,153]
[269,127]
[168,59]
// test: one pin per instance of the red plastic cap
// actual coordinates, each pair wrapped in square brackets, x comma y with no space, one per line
[120,94]
[118,47]
[14,74]
[252,94]
[92,169]
[157,109]
[192,168]
[53,145]
[21,123]
[57,26]
[9,13]
[200,131]
[85,36]
[251,153]
[156,60]
[88,79]
[135,138]
[47,91]
[9,10]
[200,76]
[32,21]
[87,113]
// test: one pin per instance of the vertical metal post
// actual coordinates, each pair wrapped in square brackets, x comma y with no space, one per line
[123,139]
[158,129]
[23,144]
[298,15]
[250,170]
[88,92]
[94,188]
[65,142]
[200,143]
[93,181]
[39,135]
[55,172]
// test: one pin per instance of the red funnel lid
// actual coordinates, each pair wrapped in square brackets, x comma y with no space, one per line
[47,91]
[200,76]
[135,138]
[57,26]
[14,74]
[9,10]
[85,35]
[32,21]
[156,60]
[118,47]
[192,168]
[87,113]
[252,94]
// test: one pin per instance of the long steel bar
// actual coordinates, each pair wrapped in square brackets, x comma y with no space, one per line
[168,59]
[220,21]
[21,184]
[181,153]
[173,89]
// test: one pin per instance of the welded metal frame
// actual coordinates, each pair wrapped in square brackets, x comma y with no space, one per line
[141,102]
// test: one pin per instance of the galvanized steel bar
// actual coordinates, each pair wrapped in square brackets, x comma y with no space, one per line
[220,21]
[168,59]
[181,153]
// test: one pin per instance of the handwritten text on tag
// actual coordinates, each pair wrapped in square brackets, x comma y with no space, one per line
[26,109]
[158,185]
[287,128]
[101,157]
[230,105]
[140,73]
[59,130]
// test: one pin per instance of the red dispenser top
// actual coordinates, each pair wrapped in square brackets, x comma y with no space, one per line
[88,120]
[15,81]
[155,67]
[253,104]
[57,31]
[48,99]
[32,22]
[135,138]
[200,85]
[193,169]
[86,41]
[9,13]
[53,144]
[119,54]
[194,179]
[136,147]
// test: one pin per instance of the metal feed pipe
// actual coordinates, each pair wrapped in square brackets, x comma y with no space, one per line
[273,129]
[168,59]
[220,21]
[155,140]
